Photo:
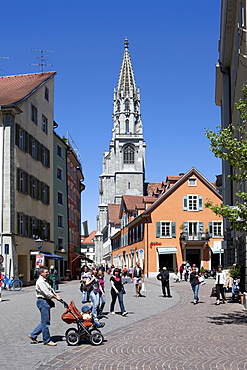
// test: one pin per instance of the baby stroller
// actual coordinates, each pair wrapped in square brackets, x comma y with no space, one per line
[85,328]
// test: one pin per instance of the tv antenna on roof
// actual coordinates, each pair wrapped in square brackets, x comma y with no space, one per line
[3,58]
[42,58]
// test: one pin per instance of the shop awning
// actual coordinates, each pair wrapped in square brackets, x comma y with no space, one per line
[51,256]
[216,250]
[167,250]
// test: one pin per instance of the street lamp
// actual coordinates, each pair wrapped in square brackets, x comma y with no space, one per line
[39,242]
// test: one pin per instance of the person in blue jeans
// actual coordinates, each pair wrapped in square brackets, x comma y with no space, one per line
[117,290]
[45,295]
[94,288]
[195,284]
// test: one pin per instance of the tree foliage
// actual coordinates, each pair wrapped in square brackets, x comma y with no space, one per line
[230,144]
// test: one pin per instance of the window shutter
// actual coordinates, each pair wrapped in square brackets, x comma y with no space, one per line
[48,195]
[31,231]
[157,229]
[26,138]
[18,223]
[39,151]
[48,159]
[39,184]
[18,179]
[201,227]
[185,203]
[17,134]
[26,226]
[174,229]
[30,144]
[48,230]
[185,227]
[200,202]
[210,228]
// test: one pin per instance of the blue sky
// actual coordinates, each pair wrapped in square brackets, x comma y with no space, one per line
[173,47]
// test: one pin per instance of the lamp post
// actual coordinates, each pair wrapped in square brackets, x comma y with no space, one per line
[39,244]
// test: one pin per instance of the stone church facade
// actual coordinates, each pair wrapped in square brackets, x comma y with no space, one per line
[124,164]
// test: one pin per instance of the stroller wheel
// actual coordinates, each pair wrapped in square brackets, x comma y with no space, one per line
[96,338]
[70,330]
[73,338]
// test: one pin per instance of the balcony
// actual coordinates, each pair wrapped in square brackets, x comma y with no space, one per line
[194,236]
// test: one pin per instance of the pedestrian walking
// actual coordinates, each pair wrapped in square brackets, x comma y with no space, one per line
[138,279]
[94,289]
[163,276]
[195,284]
[117,291]
[45,295]
[102,299]
[85,289]
[220,283]
[53,277]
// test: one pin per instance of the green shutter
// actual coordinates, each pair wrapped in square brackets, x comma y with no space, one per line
[174,229]
[200,202]
[18,179]
[18,223]
[26,138]
[185,203]
[17,134]
[157,229]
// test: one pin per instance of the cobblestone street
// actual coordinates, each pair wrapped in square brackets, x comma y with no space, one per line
[158,333]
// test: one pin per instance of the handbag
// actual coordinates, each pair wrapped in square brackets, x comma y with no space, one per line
[201,280]
[81,288]
[123,290]
[143,288]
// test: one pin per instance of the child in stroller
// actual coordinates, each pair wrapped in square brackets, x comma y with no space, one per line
[86,328]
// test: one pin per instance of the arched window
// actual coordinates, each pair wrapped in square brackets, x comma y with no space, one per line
[127,105]
[129,154]
[127,126]
[118,106]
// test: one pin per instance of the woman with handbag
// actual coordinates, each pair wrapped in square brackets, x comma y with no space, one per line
[92,284]
[117,291]
[195,284]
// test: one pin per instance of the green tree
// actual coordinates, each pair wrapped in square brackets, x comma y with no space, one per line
[230,144]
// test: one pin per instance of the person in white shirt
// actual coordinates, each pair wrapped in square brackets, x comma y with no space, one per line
[45,295]
[220,284]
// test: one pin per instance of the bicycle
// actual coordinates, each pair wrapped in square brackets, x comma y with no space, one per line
[8,283]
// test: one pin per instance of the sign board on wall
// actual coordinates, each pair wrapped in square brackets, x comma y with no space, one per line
[141,254]
[40,258]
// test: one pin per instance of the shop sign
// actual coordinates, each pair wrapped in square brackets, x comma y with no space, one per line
[154,244]
[40,258]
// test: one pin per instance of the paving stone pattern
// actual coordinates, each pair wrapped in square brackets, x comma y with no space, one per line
[158,333]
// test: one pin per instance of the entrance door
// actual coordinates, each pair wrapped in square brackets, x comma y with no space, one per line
[194,256]
[166,260]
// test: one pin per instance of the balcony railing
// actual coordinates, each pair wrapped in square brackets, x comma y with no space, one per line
[194,236]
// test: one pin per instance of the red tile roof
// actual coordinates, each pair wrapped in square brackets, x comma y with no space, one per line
[13,89]
[113,213]
[152,187]
[89,238]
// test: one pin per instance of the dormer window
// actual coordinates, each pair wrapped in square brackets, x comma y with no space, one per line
[192,181]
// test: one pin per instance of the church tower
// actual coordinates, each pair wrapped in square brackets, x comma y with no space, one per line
[124,164]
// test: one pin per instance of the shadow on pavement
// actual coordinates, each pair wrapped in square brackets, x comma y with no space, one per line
[237,318]
[58,338]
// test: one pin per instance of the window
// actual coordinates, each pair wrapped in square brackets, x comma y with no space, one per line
[34,148]
[44,124]
[192,181]
[34,187]
[129,155]
[166,229]
[118,106]
[46,93]
[60,222]
[192,203]
[21,139]
[34,114]
[59,173]
[45,195]
[127,105]
[22,181]
[60,198]
[45,157]
[60,243]
[59,151]
[216,229]
[22,224]
[45,226]
[127,126]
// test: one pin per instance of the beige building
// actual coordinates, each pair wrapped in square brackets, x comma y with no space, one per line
[26,174]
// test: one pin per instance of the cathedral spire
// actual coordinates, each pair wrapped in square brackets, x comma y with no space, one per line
[126,81]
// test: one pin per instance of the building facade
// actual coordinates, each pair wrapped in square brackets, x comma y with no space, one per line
[231,75]
[172,228]
[124,164]
[26,147]
[60,197]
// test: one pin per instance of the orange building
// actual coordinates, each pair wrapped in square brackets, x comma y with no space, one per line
[172,228]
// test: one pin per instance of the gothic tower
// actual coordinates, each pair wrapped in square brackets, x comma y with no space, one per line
[124,163]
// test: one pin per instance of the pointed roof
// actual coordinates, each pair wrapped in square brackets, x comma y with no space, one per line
[15,89]
[126,79]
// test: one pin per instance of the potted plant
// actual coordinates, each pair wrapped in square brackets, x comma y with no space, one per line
[202,270]
[21,276]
